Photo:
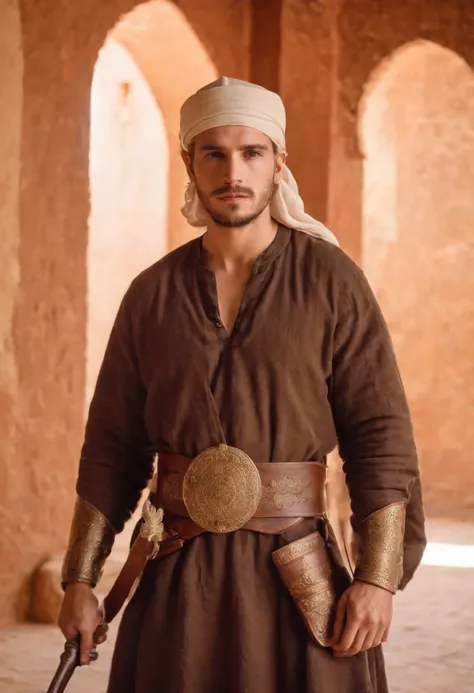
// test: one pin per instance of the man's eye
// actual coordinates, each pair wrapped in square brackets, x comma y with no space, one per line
[214,155]
[252,153]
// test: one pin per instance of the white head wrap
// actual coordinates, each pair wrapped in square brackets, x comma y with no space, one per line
[234,102]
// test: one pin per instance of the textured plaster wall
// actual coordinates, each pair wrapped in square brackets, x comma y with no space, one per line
[418,135]
[307,64]
[49,314]
[265,44]
[43,373]
[12,474]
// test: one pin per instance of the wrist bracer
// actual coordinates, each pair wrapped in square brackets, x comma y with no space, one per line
[381,547]
[90,543]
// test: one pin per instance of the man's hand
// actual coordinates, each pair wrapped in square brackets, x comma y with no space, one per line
[80,614]
[363,618]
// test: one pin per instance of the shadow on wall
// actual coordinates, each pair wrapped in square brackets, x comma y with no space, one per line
[417,133]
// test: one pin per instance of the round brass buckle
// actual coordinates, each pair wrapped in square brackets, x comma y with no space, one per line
[222,489]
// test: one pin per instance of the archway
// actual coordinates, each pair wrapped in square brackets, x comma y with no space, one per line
[129,188]
[151,62]
[417,134]
[175,64]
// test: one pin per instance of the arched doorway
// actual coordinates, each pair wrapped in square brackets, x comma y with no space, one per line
[151,62]
[129,191]
[417,135]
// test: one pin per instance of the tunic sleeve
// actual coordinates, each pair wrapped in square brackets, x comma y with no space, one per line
[373,424]
[117,460]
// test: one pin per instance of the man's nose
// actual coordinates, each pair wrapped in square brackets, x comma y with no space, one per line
[233,173]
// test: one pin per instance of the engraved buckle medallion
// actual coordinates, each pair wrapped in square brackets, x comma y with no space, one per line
[222,489]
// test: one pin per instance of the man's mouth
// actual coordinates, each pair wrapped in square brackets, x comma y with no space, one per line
[233,196]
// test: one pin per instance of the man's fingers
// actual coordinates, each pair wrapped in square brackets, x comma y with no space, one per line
[69,632]
[378,638]
[100,634]
[368,616]
[361,636]
[364,636]
[339,620]
[369,640]
[81,615]
[374,638]
[350,631]
[386,634]
[86,646]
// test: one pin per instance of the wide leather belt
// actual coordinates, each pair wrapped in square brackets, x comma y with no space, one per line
[223,490]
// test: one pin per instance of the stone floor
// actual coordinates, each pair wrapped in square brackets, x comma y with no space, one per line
[431,649]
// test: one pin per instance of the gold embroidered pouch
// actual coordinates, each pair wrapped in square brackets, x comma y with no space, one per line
[305,568]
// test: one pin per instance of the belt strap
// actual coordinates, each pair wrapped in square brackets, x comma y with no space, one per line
[289,489]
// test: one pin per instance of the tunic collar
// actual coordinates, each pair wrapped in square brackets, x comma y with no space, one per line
[266,257]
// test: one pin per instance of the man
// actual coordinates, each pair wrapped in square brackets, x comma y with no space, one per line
[243,358]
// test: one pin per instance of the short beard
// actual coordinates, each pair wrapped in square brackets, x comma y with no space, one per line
[239,222]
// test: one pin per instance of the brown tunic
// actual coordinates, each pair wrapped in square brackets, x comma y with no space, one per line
[309,365]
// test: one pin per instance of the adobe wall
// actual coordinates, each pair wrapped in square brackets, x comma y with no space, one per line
[45,371]
[11,98]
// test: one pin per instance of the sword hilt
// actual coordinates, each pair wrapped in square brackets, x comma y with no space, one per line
[69,660]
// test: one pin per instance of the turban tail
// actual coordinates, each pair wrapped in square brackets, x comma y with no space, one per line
[233,102]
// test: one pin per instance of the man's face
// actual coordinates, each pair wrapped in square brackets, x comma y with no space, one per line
[235,171]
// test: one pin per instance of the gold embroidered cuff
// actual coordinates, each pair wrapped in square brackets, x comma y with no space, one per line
[381,547]
[90,543]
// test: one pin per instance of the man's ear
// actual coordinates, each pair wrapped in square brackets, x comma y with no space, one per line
[280,162]
[188,162]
